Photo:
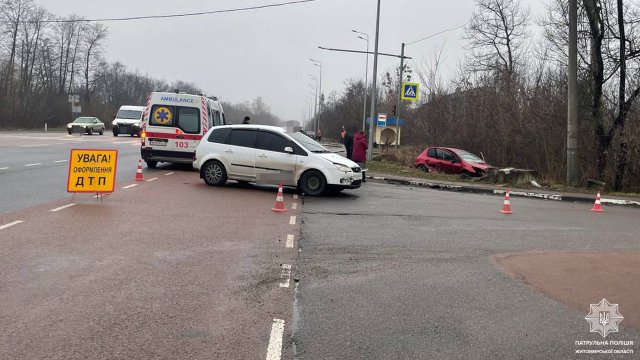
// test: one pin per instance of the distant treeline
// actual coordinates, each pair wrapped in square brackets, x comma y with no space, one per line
[42,62]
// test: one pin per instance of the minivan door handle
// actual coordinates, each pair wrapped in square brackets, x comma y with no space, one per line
[262,155]
[229,151]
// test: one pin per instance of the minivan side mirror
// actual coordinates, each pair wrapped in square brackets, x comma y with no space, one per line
[288,149]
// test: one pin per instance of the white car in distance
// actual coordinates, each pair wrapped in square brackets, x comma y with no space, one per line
[269,155]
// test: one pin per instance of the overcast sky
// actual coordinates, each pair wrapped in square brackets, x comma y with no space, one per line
[240,56]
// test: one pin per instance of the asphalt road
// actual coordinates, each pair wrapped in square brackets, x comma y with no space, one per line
[393,272]
[34,165]
[168,268]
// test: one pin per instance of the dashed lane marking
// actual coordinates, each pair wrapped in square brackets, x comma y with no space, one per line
[2,227]
[60,161]
[294,206]
[290,241]
[130,186]
[36,164]
[62,207]
[169,173]
[286,275]
[274,351]
[295,196]
[292,220]
[152,179]
[35,145]
[4,168]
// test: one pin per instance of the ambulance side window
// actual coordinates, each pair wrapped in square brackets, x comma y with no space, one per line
[216,118]
[209,117]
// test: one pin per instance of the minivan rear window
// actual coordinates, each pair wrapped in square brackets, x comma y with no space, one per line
[186,119]
[244,138]
[219,135]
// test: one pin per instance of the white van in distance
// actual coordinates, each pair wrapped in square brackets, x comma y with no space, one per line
[128,120]
[173,125]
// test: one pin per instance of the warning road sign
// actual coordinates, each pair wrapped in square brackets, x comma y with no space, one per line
[410,91]
[92,170]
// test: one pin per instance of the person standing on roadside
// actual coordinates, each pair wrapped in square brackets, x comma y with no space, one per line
[348,143]
[246,120]
[360,146]
[319,135]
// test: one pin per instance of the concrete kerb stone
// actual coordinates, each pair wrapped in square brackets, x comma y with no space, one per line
[493,191]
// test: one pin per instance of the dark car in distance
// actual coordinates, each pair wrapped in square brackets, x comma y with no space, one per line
[451,161]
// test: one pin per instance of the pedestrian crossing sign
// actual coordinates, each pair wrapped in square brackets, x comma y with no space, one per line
[410,91]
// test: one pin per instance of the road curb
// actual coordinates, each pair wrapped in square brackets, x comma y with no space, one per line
[493,191]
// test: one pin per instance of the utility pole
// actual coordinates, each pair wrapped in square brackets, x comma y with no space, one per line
[374,90]
[318,64]
[399,97]
[573,175]
[366,80]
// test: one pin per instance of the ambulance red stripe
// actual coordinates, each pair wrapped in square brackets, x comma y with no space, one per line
[173,136]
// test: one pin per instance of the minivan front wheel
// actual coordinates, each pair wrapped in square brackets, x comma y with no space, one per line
[313,183]
[214,173]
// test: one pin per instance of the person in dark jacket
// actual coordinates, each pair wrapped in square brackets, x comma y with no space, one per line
[359,155]
[348,143]
[246,120]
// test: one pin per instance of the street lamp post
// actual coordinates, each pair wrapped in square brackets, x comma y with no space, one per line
[374,91]
[318,64]
[366,76]
[315,105]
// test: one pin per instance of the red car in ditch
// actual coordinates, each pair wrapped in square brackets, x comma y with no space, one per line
[451,161]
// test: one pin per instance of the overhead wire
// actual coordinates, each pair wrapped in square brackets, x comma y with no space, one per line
[200,13]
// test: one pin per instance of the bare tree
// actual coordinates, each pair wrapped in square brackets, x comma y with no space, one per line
[497,34]
[93,38]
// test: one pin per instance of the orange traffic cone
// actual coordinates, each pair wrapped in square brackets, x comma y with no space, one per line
[139,176]
[506,205]
[597,207]
[279,206]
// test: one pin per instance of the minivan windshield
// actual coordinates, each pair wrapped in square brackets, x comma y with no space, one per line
[129,114]
[308,143]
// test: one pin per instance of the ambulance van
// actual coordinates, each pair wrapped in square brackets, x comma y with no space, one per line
[173,125]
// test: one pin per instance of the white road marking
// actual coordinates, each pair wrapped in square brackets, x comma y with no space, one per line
[295,196]
[294,206]
[290,241]
[292,220]
[274,351]
[152,179]
[60,161]
[10,224]
[4,168]
[62,207]
[286,275]
[130,186]
[35,145]
[169,173]
[36,164]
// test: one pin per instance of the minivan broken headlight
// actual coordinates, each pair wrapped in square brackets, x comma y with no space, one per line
[342,168]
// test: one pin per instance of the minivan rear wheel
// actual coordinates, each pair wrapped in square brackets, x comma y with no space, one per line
[313,183]
[214,173]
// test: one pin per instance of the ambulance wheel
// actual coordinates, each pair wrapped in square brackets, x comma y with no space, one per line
[313,183]
[90,131]
[214,173]
[151,164]
[101,131]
